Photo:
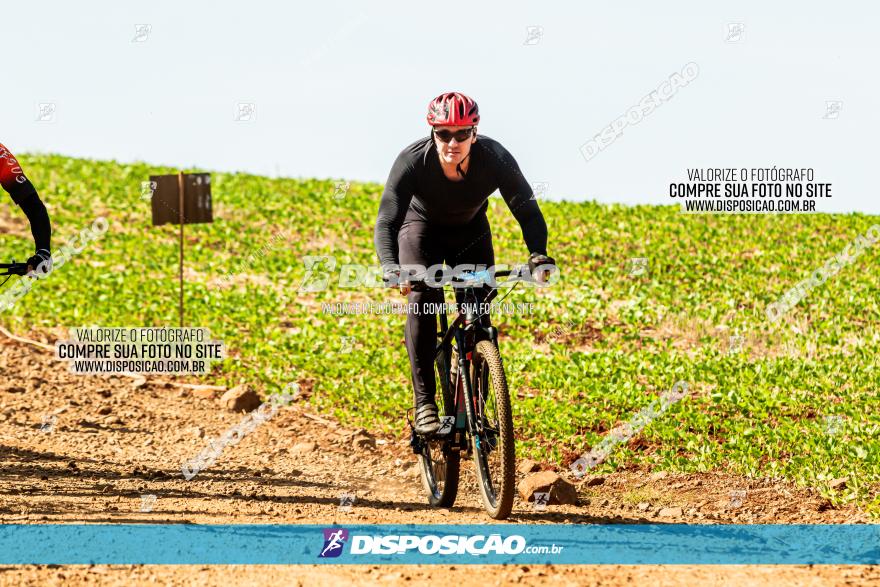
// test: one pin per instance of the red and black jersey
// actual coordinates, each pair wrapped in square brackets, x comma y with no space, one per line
[12,178]
[23,193]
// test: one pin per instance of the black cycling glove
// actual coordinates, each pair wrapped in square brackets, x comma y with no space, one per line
[41,257]
[540,260]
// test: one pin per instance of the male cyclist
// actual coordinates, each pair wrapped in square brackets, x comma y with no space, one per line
[24,194]
[433,211]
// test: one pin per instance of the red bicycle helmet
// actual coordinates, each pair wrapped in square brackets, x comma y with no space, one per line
[453,108]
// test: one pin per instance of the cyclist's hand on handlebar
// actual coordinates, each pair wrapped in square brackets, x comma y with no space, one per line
[541,267]
[391,278]
[41,257]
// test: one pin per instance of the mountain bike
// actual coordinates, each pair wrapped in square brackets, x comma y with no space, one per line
[473,404]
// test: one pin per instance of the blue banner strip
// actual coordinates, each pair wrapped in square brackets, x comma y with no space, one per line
[439,544]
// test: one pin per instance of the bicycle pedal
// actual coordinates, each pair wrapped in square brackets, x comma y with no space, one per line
[416,442]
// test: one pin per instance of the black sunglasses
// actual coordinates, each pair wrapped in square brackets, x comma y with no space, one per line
[460,135]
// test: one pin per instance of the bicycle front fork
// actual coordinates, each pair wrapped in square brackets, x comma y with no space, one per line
[465,389]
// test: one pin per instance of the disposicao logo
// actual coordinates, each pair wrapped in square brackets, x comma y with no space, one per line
[431,544]
[334,539]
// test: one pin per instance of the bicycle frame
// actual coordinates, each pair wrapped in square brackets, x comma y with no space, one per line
[466,330]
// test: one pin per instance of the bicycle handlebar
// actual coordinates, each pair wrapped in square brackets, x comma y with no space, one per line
[469,277]
[14,268]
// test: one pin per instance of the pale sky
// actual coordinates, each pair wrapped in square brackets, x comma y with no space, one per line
[339,88]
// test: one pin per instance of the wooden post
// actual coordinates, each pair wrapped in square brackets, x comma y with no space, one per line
[175,189]
[180,187]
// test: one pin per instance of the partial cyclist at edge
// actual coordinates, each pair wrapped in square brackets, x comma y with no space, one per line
[24,194]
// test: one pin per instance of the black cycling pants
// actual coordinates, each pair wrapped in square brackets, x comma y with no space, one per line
[425,244]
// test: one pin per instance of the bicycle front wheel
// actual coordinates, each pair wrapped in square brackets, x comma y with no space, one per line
[494,454]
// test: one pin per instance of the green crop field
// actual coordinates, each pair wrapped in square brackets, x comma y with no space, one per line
[800,399]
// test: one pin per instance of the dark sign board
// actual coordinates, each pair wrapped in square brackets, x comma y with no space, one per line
[196,198]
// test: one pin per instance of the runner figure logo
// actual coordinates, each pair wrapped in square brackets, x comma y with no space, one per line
[341,188]
[148,188]
[147,502]
[334,539]
[541,500]
[534,34]
[540,189]
[48,423]
[441,112]
[346,500]
[735,344]
[446,425]
[348,343]
[736,498]
[638,266]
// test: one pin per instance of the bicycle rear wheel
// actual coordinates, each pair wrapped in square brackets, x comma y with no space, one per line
[439,463]
[494,454]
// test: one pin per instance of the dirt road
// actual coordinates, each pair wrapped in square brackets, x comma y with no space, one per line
[87,449]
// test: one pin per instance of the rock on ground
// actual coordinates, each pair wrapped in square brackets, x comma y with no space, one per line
[561,491]
[241,398]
